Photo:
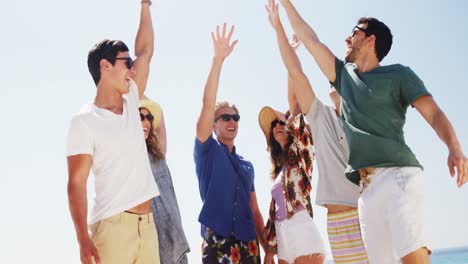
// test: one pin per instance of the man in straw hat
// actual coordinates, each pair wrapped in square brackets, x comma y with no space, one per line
[107,136]
[230,218]
[375,99]
[334,191]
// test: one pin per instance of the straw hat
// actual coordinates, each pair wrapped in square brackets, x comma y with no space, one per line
[154,108]
[265,117]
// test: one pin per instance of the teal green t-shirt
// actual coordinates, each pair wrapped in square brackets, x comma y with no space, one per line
[374,107]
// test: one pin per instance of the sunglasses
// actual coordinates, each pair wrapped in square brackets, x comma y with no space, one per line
[148,117]
[275,122]
[128,62]
[357,28]
[227,117]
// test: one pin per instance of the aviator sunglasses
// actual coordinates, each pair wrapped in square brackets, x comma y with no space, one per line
[128,62]
[227,117]
[148,117]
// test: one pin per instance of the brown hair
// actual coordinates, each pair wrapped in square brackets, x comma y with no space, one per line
[152,142]
[383,35]
[106,49]
[278,155]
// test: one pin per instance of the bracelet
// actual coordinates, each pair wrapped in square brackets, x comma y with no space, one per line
[146,2]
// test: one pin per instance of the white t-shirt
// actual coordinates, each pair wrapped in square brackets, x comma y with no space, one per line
[120,164]
[332,153]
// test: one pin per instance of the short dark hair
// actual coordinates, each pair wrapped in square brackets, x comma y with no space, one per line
[383,35]
[106,49]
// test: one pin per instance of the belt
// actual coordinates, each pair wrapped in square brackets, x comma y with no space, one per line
[365,173]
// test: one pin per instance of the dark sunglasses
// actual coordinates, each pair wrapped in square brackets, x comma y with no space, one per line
[227,117]
[356,28]
[128,62]
[276,121]
[149,117]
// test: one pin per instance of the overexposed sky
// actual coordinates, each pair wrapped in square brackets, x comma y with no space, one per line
[46,80]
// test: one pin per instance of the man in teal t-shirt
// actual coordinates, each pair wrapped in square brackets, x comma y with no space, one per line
[374,103]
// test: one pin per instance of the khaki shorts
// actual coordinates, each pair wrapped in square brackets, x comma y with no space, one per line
[126,238]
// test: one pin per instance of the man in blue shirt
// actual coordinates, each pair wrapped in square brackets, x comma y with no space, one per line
[230,218]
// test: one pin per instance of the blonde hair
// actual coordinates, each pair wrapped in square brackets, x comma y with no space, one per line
[225,104]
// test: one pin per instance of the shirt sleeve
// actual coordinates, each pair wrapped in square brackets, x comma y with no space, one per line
[269,232]
[79,140]
[302,142]
[252,188]
[133,93]
[412,87]
[314,111]
[201,149]
[339,66]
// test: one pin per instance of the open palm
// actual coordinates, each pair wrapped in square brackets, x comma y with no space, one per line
[221,42]
[273,14]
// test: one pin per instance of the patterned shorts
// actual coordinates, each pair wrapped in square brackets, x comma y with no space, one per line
[217,249]
[344,234]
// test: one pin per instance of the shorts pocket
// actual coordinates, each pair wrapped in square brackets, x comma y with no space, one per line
[401,180]
[97,229]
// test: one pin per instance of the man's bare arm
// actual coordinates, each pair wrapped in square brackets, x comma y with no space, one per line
[78,170]
[442,126]
[299,89]
[223,47]
[324,58]
[258,218]
[144,48]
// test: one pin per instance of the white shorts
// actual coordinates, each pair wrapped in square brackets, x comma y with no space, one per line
[392,212]
[298,236]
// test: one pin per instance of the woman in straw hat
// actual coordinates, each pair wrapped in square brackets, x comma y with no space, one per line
[290,231]
[173,245]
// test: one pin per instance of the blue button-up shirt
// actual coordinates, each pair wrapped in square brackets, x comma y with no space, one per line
[225,181]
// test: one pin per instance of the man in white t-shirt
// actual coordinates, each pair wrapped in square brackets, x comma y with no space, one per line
[106,137]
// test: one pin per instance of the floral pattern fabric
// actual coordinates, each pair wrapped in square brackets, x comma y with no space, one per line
[297,179]
[218,249]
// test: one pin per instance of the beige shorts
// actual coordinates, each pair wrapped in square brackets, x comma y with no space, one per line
[126,238]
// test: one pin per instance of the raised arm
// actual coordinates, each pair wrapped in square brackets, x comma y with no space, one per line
[78,170]
[222,47]
[442,126]
[299,89]
[144,47]
[321,53]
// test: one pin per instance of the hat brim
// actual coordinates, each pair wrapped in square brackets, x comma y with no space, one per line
[265,117]
[154,108]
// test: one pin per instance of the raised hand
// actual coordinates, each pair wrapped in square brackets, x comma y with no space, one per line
[295,42]
[221,42]
[273,14]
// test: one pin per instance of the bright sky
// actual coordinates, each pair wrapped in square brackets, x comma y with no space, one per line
[45,81]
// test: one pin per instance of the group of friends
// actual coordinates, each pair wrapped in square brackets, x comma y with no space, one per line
[369,180]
